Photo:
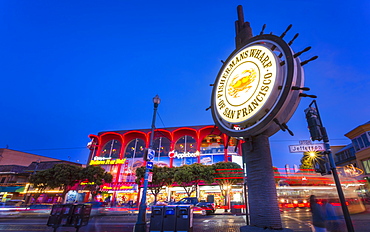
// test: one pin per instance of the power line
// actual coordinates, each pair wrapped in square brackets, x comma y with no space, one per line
[45,149]
[161,119]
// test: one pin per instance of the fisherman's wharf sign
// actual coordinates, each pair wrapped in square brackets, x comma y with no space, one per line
[257,88]
[246,83]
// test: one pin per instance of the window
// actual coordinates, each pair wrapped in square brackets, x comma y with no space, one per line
[361,142]
[212,149]
[185,151]
[366,164]
[161,145]
[135,149]
[355,144]
[111,149]
[212,144]
[366,140]
[186,144]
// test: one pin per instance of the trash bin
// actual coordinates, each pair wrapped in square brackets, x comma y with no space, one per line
[184,218]
[169,218]
[236,207]
[156,219]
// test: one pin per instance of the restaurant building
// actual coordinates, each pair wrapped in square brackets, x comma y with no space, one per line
[121,152]
[16,167]
[360,137]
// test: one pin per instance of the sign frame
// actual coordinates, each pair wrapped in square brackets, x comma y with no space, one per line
[285,99]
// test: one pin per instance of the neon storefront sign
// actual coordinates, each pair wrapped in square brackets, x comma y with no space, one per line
[175,154]
[107,162]
[118,187]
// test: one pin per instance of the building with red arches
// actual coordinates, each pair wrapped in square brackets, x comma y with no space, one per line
[121,152]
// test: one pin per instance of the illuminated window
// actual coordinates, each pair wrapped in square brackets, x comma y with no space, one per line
[135,149]
[186,144]
[111,149]
[212,144]
[366,164]
[161,145]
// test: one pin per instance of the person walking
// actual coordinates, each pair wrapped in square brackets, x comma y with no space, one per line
[318,215]
[334,220]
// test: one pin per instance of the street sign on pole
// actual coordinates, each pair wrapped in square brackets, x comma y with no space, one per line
[150,177]
[151,154]
[149,165]
[307,148]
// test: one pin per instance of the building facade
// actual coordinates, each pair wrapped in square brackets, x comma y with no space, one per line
[121,152]
[15,169]
[360,137]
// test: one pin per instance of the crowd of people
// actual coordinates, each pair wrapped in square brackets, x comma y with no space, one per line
[326,217]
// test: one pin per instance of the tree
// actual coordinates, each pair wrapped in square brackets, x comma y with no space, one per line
[201,173]
[96,176]
[308,159]
[190,176]
[227,174]
[184,178]
[62,176]
[38,181]
[162,176]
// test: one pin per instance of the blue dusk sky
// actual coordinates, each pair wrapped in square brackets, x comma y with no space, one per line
[73,68]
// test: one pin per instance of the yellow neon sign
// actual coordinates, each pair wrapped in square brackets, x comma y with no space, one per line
[107,162]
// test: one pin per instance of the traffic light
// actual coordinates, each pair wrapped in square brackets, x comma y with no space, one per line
[314,124]
[321,165]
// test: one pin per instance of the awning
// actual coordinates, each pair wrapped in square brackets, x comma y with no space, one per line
[12,189]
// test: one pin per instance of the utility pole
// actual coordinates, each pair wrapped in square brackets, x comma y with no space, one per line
[318,132]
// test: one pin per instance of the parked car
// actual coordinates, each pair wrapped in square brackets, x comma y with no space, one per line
[199,210]
[209,207]
[187,201]
[204,208]
[37,210]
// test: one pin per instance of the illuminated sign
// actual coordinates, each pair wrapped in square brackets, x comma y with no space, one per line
[307,148]
[258,88]
[107,162]
[175,154]
[246,84]
[87,183]
[119,186]
[350,171]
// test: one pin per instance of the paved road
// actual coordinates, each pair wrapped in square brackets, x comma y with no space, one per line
[299,221]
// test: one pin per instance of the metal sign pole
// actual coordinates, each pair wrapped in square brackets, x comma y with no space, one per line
[333,168]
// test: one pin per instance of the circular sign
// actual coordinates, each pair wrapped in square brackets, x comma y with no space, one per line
[246,84]
[253,89]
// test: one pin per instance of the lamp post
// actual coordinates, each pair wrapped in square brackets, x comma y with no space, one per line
[140,225]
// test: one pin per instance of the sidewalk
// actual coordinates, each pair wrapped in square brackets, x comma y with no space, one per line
[220,222]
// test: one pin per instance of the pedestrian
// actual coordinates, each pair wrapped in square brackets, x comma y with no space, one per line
[334,220]
[318,215]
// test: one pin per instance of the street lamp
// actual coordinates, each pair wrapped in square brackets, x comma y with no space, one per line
[140,225]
